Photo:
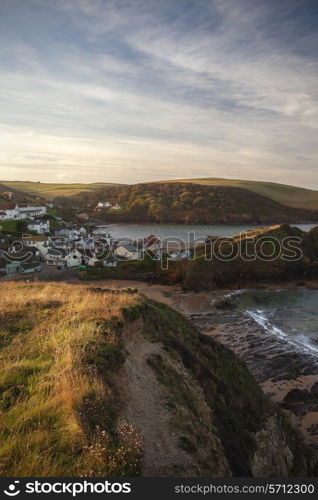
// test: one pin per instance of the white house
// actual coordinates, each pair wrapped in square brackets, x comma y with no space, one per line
[111,262]
[74,258]
[8,211]
[11,210]
[30,212]
[104,204]
[128,251]
[43,247]
[39,226]
[56,256]
[70,233]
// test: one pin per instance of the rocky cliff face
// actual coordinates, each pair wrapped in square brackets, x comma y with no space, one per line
[268,254]
[198,409]
[102,382]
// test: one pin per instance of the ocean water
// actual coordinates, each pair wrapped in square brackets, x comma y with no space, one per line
[291,315]
[180,230]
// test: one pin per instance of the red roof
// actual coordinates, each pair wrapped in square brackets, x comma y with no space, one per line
[151,240]
[7,206]
[150,237]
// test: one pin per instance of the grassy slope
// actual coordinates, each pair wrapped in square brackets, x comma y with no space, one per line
[62,349]
[52,190]
[287,195]
[54,340]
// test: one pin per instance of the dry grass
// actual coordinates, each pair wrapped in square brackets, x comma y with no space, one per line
[52,190]
[57,342]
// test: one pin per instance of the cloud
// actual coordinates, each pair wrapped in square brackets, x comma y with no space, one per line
[134,90]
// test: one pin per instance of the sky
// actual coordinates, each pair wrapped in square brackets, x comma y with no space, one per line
[139,90]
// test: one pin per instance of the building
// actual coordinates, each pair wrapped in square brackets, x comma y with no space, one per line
[128,251]
[152,243]
[56,256]
[39,241]
[29,267]
[70,233]
[39,226]
[11,211]
[74,259]
[104,204]
[30,211]
[110,262]
[20,260]
[22,253]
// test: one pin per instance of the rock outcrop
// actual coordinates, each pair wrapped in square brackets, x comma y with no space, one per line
[197,407]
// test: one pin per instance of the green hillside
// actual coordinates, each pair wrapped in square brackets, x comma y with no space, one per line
[182,202]
[287,195]
[52,190]
[282,193]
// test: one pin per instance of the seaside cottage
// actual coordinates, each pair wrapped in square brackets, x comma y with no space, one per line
[14,211]
[129,252]
[74,258]
[152,243]
[39,226]
[56,256]
[104,204]
[9,211]
[111,262]
[29,267]
[30,212]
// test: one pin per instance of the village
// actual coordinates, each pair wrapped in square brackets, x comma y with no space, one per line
[49,241]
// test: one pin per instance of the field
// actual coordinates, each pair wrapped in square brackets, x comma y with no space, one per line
[287,195]
[10,226]
[51,191]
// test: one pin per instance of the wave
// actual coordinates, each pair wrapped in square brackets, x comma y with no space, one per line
[300,341]
[234,293]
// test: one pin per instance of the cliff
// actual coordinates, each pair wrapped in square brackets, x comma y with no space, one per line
[98,382]
[273,254]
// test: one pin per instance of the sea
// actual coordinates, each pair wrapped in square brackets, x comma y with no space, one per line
[181,230]
[291,315]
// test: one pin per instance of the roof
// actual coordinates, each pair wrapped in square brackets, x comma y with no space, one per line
[56,251]
[44,221]
[151,240]
[150,237]
[7,206]
[32,208]
[30,265]
[130,247]
[23,256]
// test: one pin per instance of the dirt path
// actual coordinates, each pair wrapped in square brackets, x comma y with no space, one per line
[146,408]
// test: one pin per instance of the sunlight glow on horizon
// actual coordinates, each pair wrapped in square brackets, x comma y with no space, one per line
[131,91]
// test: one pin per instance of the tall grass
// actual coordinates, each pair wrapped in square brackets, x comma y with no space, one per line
[58,346]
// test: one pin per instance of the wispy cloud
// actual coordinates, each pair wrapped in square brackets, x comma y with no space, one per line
[134,90]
